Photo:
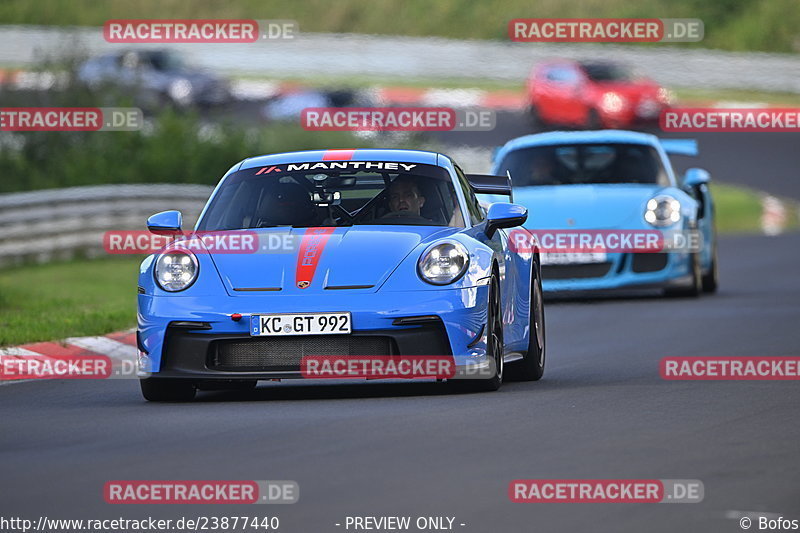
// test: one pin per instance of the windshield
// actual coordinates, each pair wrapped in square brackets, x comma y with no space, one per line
[607,72]
[165,61]
[334,193]
[584,163]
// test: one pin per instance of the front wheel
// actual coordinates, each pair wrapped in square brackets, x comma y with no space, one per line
[494,346]
[710,279]
[696,286]
[531,368]
[593,120]
[167,390]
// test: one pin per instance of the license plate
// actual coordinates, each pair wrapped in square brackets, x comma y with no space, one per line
[564,258]
[300,324]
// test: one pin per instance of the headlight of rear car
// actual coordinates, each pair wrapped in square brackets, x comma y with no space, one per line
[176,270]
[663,211]
[443,263]
[612,102]
[665,96]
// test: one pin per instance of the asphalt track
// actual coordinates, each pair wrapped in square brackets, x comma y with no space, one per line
[602,411]
[373,449]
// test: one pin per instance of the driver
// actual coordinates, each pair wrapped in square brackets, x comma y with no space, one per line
[405,198]
[543,170]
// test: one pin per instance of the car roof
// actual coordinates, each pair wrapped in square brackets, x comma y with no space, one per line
[581,137]
[367,154]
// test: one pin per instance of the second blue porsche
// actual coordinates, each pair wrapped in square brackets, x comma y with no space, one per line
[614,187]
[380,253]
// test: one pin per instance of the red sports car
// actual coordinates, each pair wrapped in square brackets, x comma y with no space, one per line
[593,94]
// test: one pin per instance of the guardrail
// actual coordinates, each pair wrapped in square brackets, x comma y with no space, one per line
[41,226]
[410,57]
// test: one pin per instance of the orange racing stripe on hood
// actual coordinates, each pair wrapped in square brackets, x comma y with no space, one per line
[311,247]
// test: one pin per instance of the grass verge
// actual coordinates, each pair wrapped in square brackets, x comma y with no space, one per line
[729,24]
[59,300]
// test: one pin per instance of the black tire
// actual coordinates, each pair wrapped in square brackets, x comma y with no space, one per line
[696,287]
[710,278]
[531,368]
[535,119]
[593,120]
[495,346]
[167,390]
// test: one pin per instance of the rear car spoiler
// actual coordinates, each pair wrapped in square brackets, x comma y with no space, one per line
[487,184]
[679,146]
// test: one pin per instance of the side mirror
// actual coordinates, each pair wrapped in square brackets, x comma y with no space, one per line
[165,223]
[504,215]
[694,177]
[495,151]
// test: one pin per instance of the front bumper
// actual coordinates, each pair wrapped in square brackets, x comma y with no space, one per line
[169,347]
[623,270]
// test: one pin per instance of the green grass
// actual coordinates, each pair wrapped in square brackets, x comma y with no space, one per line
[738,95]
[59,300]
[767,25]
[739,209]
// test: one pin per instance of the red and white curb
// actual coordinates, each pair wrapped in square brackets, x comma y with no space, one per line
[119,347]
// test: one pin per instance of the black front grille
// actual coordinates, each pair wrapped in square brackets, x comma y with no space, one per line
[649,262]
[576,271]
[285,353]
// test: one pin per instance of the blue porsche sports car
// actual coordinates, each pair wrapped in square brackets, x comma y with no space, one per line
[379,253]
[614,187]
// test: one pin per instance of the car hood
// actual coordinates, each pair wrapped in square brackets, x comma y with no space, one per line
[631,90]
[357,258]
[604,206]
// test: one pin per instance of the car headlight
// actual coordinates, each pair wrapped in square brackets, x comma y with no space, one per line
[181,91]
[665,96]
[662,211]
[443,263]
[612,102]
[176,270]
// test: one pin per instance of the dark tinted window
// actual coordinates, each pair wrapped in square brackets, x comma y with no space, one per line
[334,194]
[476,212]
[569,164]
[607,72]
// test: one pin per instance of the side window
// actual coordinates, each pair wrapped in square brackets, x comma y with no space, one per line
[476,211]
[564,75]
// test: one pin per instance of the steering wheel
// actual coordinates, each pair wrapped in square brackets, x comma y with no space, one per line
[402,216]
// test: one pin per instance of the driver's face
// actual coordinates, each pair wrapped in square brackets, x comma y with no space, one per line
[404,196]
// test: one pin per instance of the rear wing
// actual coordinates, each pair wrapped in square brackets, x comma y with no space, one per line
[487,184]
[679,146]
